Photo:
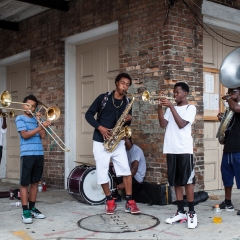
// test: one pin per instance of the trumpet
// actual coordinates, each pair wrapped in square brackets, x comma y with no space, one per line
[52,113]
[153,99]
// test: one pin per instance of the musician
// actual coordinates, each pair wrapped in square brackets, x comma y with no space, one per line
[32,160]
[3,125]
[137,163]
[178,145]
[230,166]
[109,111]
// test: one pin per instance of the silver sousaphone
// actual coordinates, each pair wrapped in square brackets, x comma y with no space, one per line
[230,70]
[229,76]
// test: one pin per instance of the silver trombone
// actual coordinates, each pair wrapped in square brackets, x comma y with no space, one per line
[52,113]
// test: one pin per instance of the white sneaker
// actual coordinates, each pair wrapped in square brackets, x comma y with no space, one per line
[192,220]
[26,216]
[177,217]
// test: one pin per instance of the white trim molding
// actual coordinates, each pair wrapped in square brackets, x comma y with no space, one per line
[221,16]
[70,87]
[17,58]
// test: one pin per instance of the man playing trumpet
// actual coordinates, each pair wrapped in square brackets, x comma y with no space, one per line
[178,145]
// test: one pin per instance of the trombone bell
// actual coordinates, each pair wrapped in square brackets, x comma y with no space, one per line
[53,113]
[5,98]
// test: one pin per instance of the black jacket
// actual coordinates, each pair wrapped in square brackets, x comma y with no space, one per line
[109,114]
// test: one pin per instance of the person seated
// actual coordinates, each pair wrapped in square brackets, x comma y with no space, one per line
[137,165]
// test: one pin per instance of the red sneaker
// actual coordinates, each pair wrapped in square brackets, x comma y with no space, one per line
[110,207]
[131,207]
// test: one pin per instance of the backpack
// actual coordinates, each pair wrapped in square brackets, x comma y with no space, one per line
[104,101]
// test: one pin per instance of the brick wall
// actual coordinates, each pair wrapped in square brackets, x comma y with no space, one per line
[156,55]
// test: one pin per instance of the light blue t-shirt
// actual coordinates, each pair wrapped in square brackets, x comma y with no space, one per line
[136,154]
[33,145]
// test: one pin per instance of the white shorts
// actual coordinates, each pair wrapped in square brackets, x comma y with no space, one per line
[102,158]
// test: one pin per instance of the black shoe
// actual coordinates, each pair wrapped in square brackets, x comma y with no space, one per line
[238,213]
[226,207]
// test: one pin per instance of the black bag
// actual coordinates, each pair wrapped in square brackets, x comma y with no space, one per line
[153,194]
[200,196]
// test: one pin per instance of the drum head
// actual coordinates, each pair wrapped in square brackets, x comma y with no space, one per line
[90,190]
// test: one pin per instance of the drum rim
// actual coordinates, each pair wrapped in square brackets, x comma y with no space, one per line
[81,194]
[84,195]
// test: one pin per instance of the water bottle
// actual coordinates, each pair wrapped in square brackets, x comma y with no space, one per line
[217,218]
[44,186]
[15,204]
[40,188]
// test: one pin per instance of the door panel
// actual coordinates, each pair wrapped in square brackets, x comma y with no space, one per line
[19,86]
[213,56]
[97,67]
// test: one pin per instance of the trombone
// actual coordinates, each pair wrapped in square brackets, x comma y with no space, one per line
[52,113]
[9,114]
[154,99]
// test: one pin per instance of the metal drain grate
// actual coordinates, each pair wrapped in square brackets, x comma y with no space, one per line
[119,222]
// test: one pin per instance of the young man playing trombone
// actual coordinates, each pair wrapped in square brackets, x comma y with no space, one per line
[31,153]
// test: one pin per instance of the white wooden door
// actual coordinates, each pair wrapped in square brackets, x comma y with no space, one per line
[213,55]
[19,86]
[97,67]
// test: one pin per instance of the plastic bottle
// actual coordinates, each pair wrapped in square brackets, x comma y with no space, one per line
[217,218]
[15,204]
[44,187]
[40,188]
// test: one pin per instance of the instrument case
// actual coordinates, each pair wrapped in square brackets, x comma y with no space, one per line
[153,194]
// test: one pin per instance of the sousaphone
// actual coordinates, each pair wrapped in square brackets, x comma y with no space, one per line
[229,76]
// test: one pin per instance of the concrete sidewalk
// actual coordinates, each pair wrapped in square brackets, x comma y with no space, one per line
[63,213]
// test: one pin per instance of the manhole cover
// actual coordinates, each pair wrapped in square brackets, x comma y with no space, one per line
[118,223]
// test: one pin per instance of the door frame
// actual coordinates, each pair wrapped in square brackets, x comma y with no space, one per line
[4,63]
[70,86]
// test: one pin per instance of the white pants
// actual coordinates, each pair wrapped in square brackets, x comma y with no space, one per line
[102,158]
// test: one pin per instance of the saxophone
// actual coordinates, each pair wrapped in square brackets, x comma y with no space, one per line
[119,131]
[226,119]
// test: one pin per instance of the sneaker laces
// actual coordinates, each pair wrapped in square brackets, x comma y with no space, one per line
[110,205]
[132,205]
[27,214]
[36,210]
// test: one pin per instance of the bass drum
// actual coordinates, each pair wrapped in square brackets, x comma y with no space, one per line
[82,185]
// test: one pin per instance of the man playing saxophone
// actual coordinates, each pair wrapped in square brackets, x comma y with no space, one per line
[109,108]
[230,166]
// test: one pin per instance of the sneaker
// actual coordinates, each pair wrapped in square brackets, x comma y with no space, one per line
[177,217]
[192,219]
[131,207]
[226,207]
[27,216]
[37,214]
[110,207]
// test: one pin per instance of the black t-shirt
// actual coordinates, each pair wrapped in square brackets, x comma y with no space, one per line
[232,135]
[109,115]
